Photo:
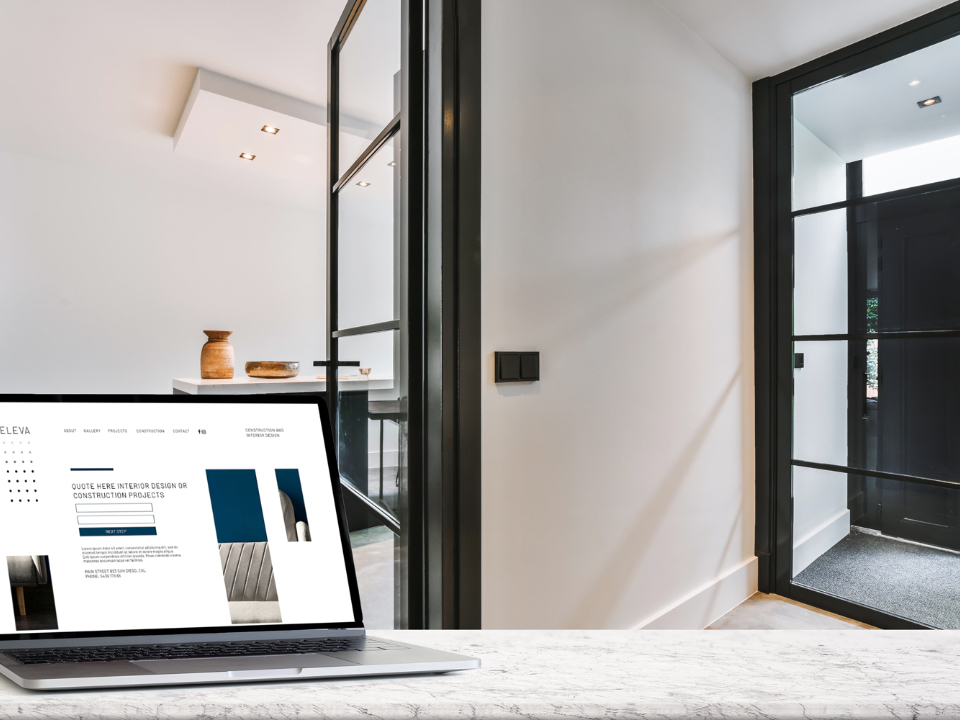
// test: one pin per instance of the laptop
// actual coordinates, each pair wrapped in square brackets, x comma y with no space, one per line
[158,540]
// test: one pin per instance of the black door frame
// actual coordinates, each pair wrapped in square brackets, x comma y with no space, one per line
[439,314]
[773,281]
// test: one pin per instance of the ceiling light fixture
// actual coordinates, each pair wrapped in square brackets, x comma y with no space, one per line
[392,163]
[929,101]
[363,183]
[269,130]
[914,83]
[247,156]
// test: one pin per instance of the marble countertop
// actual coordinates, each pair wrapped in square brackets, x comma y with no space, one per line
[300,384]
[585,674]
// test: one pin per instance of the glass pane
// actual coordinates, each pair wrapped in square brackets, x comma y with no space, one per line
[820,273]
[373,558]
[820,403]
[369,437]
[367,242]
[885,544]
[819,173]
[917,407]
[907,414]
[899,118]
[918,165]
[369,416]
[919,257]
[369,78]
[820,514]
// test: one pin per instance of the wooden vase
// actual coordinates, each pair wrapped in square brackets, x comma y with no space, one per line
[216,357]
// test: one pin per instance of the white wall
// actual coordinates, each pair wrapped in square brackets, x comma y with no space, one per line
[107,279]
[819,174]
[617,242]
[820,514]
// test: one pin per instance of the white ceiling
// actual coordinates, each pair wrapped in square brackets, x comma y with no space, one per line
[765,37]
[105,81]
[875,111]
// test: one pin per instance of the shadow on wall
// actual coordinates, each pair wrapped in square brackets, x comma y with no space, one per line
[610,585]
[624,282]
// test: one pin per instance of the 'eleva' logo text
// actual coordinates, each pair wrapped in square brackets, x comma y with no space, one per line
[14,430]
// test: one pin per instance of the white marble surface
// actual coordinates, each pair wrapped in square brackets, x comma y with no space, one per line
[586,674]
[252,386]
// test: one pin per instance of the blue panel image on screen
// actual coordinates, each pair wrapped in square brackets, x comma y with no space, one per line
[237,513]
[292,505]
[244,550]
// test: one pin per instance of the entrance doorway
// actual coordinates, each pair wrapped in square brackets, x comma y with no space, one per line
[858,328]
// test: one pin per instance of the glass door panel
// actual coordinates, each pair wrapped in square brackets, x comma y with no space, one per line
[369,78]
[366,245]
[820,403]
[820,273]
[902,561]
[367,242]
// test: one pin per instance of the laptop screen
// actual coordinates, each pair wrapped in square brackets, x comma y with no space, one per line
[165,516]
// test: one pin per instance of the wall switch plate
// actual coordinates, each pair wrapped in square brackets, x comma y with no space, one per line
[517,366]
[798,360]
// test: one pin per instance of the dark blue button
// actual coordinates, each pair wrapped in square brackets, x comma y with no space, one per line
[90,532]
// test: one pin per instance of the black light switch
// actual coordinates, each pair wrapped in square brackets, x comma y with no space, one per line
[517,366]
[798,360]
[530,366]
[508,367]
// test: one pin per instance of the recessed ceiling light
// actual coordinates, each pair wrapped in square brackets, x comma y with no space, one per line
[269,130]
[392,164]
[914,83]
[929,101]
[247,156]
[363,184]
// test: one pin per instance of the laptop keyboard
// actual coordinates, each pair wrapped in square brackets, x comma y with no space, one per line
[196,650]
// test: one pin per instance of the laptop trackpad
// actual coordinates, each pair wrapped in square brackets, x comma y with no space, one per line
[276,665]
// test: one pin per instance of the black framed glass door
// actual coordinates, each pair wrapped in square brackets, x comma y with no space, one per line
[372,165]
[858,329]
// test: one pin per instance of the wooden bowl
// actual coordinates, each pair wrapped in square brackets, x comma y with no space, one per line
[272,369]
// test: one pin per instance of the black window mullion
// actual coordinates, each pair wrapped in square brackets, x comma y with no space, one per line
[887,335]
[378,142]
[914,479]
[368,329]
[951,184]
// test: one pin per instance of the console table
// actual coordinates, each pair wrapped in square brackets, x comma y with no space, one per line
[240,385]
[585,674]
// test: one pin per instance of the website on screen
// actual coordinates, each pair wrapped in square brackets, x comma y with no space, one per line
[121,516]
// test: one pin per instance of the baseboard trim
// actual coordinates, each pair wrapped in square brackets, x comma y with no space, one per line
[708,603]
[820,540]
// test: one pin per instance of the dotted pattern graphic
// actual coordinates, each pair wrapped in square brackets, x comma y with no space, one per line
[20,472]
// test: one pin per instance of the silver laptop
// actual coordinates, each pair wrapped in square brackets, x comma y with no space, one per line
[156,540]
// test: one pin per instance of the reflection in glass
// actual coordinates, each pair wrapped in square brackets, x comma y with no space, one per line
[366,244]
[369,78]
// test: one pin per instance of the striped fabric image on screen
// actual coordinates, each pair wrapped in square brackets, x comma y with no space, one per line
[292,505]
[244,551]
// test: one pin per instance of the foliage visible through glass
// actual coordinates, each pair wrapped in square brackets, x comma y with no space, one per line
[873,348]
